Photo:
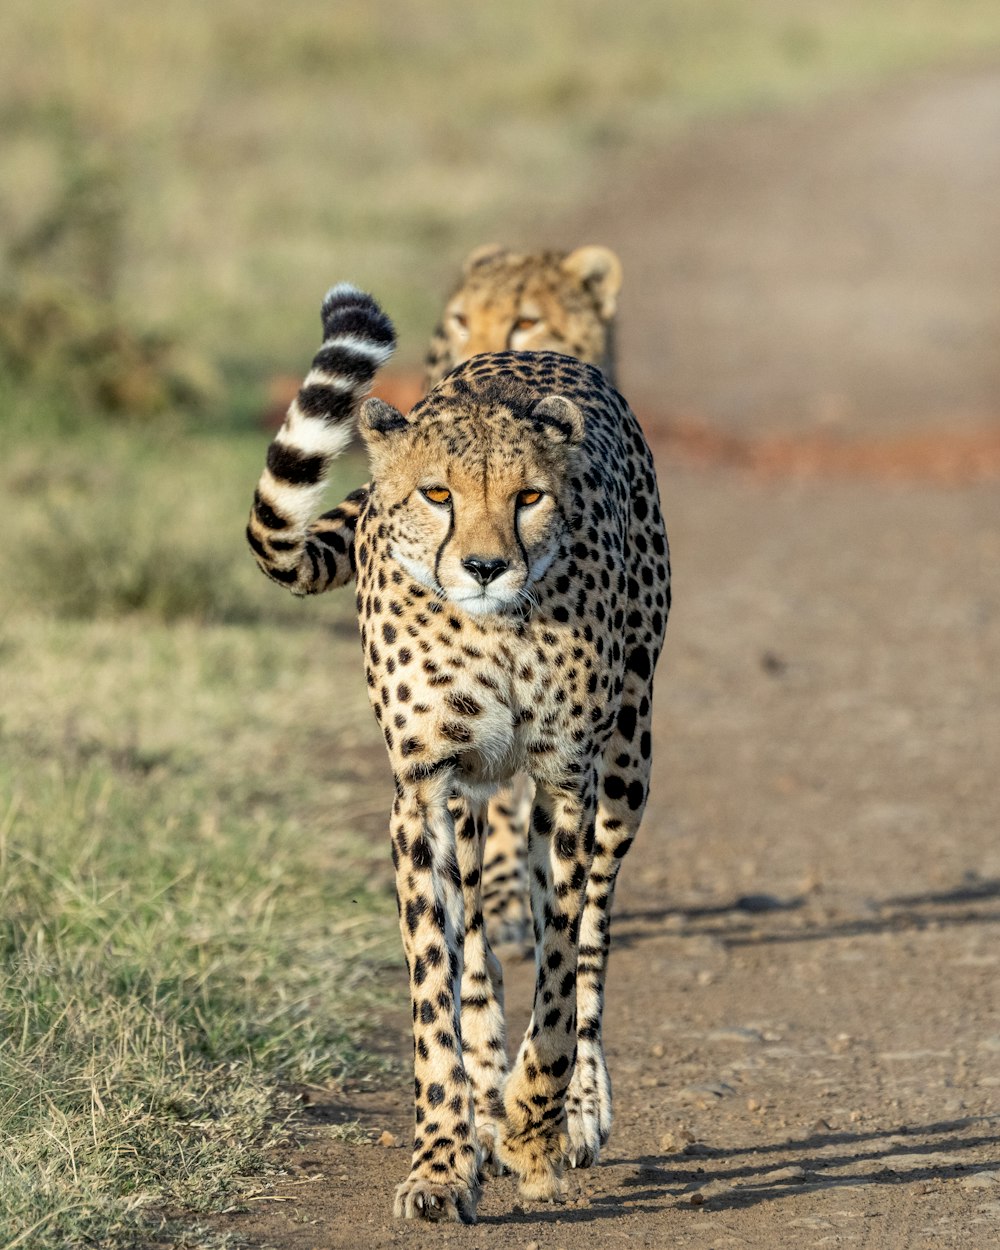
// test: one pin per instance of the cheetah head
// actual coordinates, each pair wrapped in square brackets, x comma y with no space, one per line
[474,499]
[545,301]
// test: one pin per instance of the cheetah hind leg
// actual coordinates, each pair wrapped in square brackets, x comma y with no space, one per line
[505,869]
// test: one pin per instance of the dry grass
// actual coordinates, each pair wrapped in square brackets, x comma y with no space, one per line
[189,916]
[194,907]
[259,154]
[191,788]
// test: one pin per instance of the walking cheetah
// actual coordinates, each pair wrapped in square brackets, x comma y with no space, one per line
[513,591]
[536,301]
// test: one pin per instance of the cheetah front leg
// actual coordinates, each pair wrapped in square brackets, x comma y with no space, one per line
[560,846]
[623,788]
[484,1039]
[444,1179]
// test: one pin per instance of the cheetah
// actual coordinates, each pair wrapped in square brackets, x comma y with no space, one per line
[513,587]
[530,302]
[536,301]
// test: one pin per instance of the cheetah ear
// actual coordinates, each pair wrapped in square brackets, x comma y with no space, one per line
[559,419]
[378,420]
[483,255]
[598,270]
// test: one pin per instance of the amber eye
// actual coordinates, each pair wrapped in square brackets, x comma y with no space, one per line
[525,498]
[440,495]
[525,323]
[460,320]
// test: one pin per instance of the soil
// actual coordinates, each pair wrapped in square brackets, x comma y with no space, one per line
[803,1020]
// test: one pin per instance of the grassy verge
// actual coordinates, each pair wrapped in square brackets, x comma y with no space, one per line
[194,899]
[232,161]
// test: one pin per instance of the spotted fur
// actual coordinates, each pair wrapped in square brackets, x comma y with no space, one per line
[536,301]
[513,591]
[530,302]
[306,555]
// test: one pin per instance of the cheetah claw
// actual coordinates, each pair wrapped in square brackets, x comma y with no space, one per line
[421,1199]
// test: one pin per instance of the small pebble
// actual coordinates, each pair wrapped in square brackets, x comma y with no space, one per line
[793,1173]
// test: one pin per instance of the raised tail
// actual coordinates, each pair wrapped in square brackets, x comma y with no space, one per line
[290,546]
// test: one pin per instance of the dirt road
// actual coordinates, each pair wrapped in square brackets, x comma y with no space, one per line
[804,1007]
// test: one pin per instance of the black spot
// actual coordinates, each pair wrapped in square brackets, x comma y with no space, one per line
[330,538]
[636,795]
[565,845]
[638,662]
[614,787]
[326,401]
[288,464]
[626,721]
[344,361]
[420,854]
[267,515]
[464,704]
[415,908]
[255,546]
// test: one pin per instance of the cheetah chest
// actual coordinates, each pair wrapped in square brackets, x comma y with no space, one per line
[490,697]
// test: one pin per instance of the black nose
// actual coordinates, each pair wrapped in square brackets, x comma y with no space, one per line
[484,569]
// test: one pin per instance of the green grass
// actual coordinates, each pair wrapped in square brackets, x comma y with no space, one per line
[248,157]
[195,903]
[195,899]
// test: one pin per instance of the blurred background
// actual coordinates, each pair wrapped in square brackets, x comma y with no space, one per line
[804,196]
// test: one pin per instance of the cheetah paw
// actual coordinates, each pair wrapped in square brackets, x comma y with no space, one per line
[490,1163]
[418,1198]
[585,1143]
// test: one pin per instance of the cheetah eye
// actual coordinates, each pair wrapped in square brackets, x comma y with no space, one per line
[460,320]
[526,323]
[525,498]
[439,495]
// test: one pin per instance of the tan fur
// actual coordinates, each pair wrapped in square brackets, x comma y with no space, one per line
[573,298]
[513,589]
[530,302]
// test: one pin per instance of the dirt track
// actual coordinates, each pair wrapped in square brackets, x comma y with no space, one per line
[804,1010]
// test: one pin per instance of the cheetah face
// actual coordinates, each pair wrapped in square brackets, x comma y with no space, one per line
[475,509]
[539,303]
